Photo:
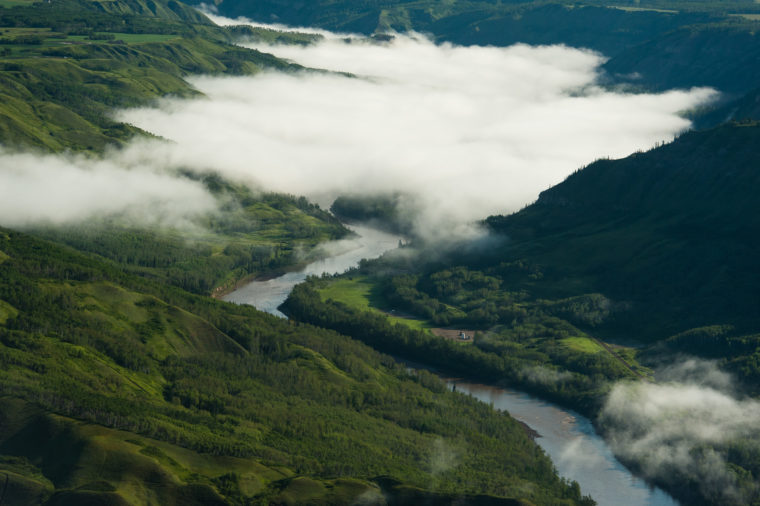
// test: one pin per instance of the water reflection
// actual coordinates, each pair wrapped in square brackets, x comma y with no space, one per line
[340,256]
[576,450]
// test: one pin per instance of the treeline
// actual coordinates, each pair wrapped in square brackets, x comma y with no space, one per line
[255,234]
[529,354]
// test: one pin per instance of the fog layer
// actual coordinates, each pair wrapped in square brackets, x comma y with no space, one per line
[465,131]
[682,431]
[469,131]
[63,189]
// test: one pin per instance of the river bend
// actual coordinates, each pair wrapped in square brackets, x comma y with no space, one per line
[568,438]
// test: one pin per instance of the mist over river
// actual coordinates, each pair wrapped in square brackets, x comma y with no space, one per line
[577,451]
[267,295]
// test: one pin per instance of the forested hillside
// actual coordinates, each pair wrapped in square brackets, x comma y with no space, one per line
[118,390]
[120,386]
[672,231]
[67,65]
[660,243]
[254,234]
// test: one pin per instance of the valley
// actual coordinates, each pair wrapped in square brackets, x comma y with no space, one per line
[559,432]
[570,185]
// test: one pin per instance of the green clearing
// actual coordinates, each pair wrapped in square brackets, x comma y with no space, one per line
[359,292]
[412,323]
[355,292]
[582,344]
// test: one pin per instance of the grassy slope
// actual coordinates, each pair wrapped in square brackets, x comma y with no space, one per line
[360,292]
[254,234]
[182,399]
[67,64]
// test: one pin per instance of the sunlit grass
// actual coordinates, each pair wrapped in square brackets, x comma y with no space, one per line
[360,293]
[583,344]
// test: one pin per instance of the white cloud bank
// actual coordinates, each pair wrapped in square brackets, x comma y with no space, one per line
[467,131]
[680,431]
[62,189]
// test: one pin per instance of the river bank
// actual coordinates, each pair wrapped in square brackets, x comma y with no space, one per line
[571,441]
[267,293]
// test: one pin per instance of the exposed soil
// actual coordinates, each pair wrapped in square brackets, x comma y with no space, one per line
[453,334]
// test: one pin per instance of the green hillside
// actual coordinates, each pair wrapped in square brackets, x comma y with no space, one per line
[465,18]
[116,390]
[123,382]
[496,23]
[254,234]
[67,64]
[721,55]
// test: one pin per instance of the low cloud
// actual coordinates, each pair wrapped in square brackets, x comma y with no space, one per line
[66,189]
[211,11]
[541,375]
[464,132]
[467,131]
[682,431]
[443,457]
[581,455]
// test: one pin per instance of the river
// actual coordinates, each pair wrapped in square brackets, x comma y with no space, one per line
[568,438]
[339,256]
[577,451]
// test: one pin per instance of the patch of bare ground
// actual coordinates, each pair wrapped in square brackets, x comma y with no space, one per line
[454,334]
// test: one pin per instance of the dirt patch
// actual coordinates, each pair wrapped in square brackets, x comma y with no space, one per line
[454,334]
